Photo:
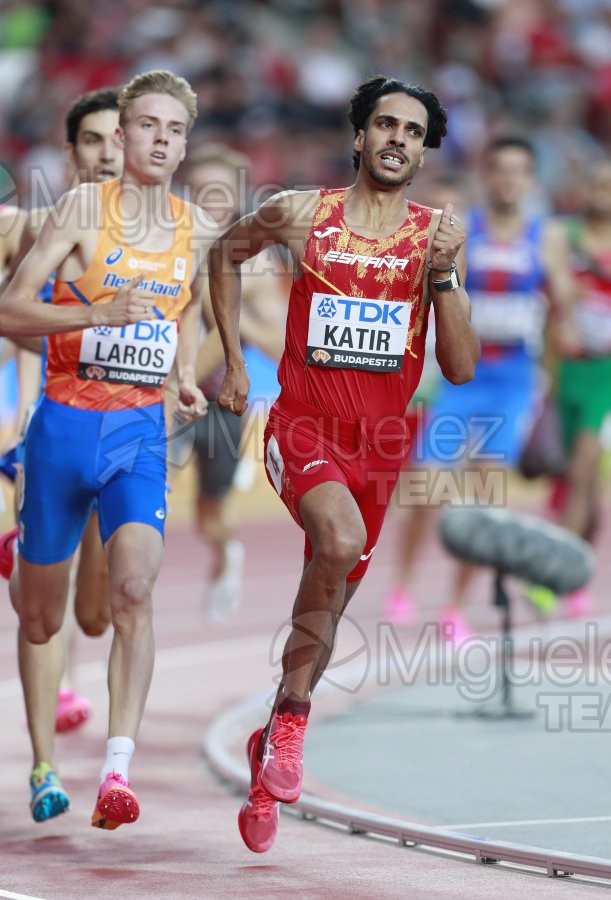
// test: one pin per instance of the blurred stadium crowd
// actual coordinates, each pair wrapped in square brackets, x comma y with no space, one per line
[273,78]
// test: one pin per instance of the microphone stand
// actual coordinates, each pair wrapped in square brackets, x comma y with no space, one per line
[501,599]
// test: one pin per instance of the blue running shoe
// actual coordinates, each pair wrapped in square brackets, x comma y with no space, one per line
[49,799]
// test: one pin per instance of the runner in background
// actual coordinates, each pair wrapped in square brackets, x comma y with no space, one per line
[584,377]
[94,155]
[217,180]
[130,259]
[516,266]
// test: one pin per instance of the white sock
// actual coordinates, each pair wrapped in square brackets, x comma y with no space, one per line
[119,751]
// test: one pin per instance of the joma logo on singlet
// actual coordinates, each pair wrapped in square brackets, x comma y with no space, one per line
[375,262]
[156,287]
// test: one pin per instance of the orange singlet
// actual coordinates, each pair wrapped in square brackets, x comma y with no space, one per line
[105,368]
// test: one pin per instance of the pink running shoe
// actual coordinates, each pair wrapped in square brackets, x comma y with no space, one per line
[579,604]
[258,817]
[116,804]
[454,626]
[399,607]
[282,768]
[71,711]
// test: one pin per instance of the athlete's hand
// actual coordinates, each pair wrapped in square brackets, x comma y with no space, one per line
[565,338]
[447,240]
[130,304]
[234,391]
[191,403]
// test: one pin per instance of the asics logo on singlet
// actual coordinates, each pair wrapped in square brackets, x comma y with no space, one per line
[374,262]
[326,308]
[114,256]
[331,229]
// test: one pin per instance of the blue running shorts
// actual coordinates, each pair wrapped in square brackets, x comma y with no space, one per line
[75,456]
[486,420]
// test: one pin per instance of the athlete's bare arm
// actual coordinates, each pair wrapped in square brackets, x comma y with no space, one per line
[63,237]
[191,401]
[561,289]
[262,314]
[12,221]
[284,219]
[457,346]
[28,346]
[32,227]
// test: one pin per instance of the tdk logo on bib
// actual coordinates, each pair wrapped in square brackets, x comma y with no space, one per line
[373,311]
[114,256]
[363,334]
[160,332]
[326,308]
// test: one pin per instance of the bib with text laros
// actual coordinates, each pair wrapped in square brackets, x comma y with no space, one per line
[357,317]
[106,367]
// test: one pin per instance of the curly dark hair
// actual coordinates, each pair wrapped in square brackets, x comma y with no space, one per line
[92,102]
[369,92]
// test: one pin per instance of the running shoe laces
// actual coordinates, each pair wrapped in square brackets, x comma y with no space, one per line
[282,769]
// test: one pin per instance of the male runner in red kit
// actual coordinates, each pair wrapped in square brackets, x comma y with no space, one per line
[368,262]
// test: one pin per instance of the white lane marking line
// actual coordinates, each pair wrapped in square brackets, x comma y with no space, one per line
[170,658]
[19,896]
[526,822]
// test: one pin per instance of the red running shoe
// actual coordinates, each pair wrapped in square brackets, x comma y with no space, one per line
[7,552]
[258,817]
[282,768]
[116,804]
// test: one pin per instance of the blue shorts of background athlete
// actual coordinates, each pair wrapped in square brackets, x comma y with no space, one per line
[72,457]
[486,420]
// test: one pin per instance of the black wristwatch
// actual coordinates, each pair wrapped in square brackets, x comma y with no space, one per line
[449,283]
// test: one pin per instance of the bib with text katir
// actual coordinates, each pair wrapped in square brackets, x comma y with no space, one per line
[357,333]
[141,354]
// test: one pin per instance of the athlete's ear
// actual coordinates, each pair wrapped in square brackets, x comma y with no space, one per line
[358,141]
[421,163]
[120,137]
[70,151]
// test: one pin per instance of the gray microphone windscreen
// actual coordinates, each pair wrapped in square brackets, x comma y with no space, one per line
[518,544]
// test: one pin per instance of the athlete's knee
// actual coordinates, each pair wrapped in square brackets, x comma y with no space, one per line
[93,622]
[92,607]
[132,598]
[340,546]
[39,629]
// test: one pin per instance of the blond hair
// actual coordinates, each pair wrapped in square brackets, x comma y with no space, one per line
[159,81]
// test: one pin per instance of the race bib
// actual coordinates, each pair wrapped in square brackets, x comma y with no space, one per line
[593,320]
[507,318]
[141,354]
[355,333]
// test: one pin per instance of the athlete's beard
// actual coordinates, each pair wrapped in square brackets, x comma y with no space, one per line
[386,179]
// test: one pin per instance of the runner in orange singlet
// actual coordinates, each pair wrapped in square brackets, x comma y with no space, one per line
[126,307]
[368,262]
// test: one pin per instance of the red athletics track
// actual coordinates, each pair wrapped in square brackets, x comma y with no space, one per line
[186,843]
